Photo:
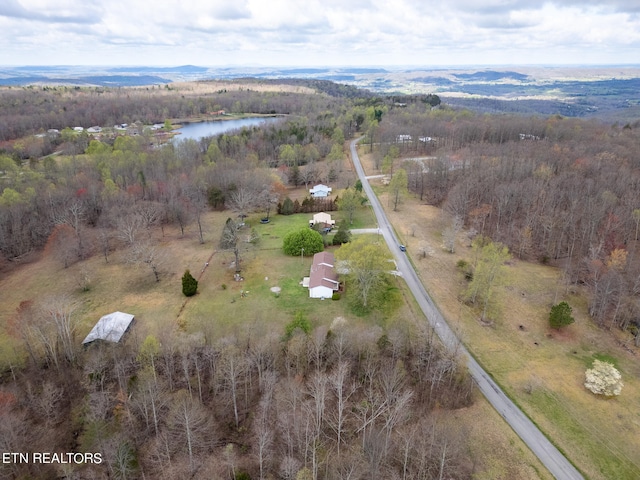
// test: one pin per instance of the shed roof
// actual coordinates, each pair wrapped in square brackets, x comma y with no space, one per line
[110,328]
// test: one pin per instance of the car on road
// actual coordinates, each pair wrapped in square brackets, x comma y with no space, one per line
[402,248]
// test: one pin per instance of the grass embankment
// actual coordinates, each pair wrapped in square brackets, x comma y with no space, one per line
[541,369]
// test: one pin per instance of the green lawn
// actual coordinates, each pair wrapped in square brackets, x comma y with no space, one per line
[224,305]
[272,233]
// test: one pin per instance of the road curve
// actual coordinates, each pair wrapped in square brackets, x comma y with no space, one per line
[548,454]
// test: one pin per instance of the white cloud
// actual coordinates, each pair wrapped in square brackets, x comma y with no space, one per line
[358,32]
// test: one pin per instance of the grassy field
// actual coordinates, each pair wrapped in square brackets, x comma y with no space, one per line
[118,286]
[541,369]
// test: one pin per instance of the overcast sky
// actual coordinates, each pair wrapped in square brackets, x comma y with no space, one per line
[319,33]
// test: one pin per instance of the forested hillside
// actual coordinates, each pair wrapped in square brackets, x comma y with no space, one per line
[554,190]
[340,402]
[29,110]
[101,183]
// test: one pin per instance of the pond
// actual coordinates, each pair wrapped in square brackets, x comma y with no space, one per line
[198,130]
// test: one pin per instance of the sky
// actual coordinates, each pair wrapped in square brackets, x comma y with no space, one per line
[309,33]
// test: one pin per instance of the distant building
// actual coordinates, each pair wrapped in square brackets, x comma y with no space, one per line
[320,191]
[94,129]
[78,129]
[110,328]
[403,138]
[528,136]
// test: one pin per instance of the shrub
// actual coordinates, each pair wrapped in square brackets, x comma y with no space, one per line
[342,236]
[189,284]
[383,342]
[300,321]
[335,296]
[603,379]
[466,269]
[305,241]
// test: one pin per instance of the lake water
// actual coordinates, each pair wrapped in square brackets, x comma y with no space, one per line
[198,130]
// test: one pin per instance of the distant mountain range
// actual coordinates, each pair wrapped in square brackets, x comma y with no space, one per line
[128,76]
[570,91]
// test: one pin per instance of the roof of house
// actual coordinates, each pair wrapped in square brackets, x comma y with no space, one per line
[322,272]
[110,328]
[320,188]
[323,217]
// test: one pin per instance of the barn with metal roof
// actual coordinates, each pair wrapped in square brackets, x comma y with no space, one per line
[110,328]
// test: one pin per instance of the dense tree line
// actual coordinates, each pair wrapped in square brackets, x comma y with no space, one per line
[559,190]
[328,87]
[30,110]
[125,184]
[346,402]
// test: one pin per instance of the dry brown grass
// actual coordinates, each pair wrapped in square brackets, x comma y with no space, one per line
[542,369]
[115,285]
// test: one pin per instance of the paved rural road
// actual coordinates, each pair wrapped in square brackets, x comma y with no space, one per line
[549,455]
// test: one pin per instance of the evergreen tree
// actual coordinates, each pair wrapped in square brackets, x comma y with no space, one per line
[343,235]
[560,315]
[288,207]
[189,284]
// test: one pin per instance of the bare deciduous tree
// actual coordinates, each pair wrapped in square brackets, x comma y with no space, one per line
[197,197]
[243,200]
[54,329]
[343,390]
[233,368]
[144,252]
[450,234]
[190,427]
[230,240]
